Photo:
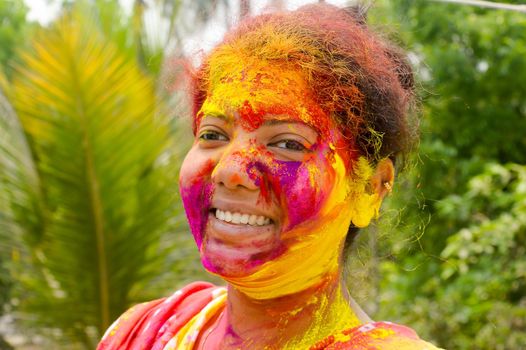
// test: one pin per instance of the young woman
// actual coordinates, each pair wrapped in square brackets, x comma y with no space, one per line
[298,119]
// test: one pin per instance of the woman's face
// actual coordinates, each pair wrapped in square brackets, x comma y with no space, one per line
[263,169]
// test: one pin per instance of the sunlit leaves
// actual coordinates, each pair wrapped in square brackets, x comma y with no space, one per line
[105,199]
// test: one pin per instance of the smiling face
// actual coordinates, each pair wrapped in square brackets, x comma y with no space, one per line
[264,189]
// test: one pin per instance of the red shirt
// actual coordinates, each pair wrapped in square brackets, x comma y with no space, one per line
[174,323]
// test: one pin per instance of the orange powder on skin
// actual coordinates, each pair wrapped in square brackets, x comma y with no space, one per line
[257,89]
[313,247]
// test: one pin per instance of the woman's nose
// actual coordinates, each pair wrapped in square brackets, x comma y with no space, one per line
[235,170]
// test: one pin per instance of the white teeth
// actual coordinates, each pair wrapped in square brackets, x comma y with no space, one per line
[244,219]
[238,218]
[220,215]
[235,218]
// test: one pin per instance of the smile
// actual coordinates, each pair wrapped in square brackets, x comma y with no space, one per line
[241,218]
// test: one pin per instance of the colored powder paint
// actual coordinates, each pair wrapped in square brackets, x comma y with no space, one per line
[312,245]
[315,205]
[302,197]
[294,186]
[330,315]
[254,90]
[196,199]
[292,183]
[235,178]
[251,120]
[209,265]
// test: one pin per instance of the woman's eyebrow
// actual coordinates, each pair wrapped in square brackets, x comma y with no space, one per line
[291,123]
[270,122]
[278,121]
[223,117]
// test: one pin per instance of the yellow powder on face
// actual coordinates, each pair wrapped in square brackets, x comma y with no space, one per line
[313,247]
[254,89]
[239,84]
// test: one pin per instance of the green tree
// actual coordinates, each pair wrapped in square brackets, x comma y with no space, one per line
[89,216]
[13,31]
[453,268]
[8,140]
[90,193]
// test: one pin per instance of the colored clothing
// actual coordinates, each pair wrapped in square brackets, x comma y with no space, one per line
[375,336]
[174,323]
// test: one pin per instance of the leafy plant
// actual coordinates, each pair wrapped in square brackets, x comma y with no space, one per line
[451,268]
[88,182]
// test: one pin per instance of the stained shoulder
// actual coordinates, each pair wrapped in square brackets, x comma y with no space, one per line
[156,322]
[375,336]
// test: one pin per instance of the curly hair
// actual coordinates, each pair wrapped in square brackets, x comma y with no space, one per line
[359,79]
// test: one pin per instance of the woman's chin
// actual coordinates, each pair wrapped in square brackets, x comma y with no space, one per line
[234,250]
[234,262]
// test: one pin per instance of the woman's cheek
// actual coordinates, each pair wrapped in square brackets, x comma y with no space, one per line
[196,194]
[302,190]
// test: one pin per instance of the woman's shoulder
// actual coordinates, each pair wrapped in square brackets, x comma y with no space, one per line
[375,336]
[151,325]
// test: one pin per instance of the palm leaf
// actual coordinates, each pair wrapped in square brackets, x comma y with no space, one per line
[19,183]
[106,199]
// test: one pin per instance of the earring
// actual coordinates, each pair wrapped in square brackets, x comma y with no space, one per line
[388,186]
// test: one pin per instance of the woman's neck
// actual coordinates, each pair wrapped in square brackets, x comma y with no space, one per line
[290,322]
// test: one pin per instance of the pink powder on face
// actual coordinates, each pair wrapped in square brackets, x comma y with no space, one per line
[196,199]
[290,182]
[297,187]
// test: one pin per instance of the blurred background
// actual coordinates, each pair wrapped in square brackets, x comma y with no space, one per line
[94,124]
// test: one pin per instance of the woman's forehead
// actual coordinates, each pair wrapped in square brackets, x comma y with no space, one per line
[260,92]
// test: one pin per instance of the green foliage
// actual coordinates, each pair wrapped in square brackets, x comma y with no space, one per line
[93,196]
[486,268]
[88,197]
[459,281]
[90,221]
[13,30]
[476,295]
[8,169]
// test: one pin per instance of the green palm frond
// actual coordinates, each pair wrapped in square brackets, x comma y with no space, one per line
[103,184]
[19,183]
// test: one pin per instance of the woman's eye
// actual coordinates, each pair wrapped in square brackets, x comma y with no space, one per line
[210,135]
[291,145]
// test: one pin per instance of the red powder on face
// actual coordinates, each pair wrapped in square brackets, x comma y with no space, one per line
[250,119]
[205,171]
[265,195]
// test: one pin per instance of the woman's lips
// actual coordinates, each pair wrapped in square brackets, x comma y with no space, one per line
[249,236]
[235,249]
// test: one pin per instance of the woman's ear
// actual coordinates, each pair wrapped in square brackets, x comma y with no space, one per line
[381,182]
[367,201]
